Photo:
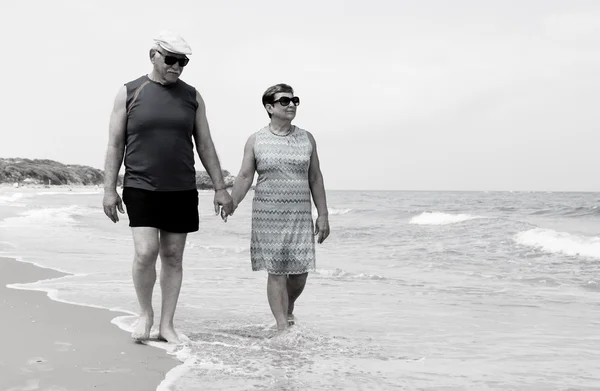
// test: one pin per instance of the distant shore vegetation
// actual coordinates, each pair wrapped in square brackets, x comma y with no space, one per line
[45,172]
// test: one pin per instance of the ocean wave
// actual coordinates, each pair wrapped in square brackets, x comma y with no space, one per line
[567,211]
[47,217]
[344,275]
[13,199]
[69,192]
[216,248]
[554,242]
[334,211]
[439,218]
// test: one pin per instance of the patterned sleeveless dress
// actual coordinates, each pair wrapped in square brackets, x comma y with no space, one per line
[282,240]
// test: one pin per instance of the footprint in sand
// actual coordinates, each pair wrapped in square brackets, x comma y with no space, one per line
[40,364]
[62,346]
[106,370]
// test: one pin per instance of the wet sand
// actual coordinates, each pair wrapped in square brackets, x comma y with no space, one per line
[53,346]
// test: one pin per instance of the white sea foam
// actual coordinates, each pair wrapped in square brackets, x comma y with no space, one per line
[188,361]
[14,199]
[53,294]
[18,258]
[48,217]
[70,192]
[7,199]
[215,248]
[439,218]
[182,352]
[560,242]
[341,274]
[333,211]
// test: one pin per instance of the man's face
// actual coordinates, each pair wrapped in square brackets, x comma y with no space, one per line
[283,108]
[169,65]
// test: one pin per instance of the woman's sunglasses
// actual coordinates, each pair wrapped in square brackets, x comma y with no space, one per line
[285,101]
[171,60]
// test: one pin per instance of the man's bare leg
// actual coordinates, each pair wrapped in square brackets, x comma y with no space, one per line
[145,240]
[295,286]
[171,255]
[278,299]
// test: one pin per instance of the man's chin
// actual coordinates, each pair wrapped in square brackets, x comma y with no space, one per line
[172,76]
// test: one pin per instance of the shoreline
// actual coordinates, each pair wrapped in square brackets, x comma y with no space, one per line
[55,345]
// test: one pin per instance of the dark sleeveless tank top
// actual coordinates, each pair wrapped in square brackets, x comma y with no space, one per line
[159,151]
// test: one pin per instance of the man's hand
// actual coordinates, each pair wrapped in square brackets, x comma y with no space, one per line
[224,202]
[111,203]
[322,228]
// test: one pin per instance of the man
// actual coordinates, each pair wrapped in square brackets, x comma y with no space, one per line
[289,174]
[152,125]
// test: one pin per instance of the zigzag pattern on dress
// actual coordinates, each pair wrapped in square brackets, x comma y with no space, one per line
[282,240]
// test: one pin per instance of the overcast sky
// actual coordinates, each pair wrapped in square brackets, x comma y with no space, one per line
[406,95]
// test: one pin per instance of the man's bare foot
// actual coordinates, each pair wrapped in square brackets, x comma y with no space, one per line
[168,334]
[142,328]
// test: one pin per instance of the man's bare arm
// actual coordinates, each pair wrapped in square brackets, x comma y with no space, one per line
[206,147]
[114,156]
[245,177]
[116,141]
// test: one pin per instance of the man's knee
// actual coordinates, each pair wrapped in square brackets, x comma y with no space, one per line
[146,253]
[171,249]
[171,255]
[145,241]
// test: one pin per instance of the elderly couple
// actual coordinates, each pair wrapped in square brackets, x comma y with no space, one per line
[152,124]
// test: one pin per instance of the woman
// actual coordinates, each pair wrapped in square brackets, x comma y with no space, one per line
[283,243]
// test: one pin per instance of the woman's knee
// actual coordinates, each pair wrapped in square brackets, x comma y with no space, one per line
[279,279]
[298,277]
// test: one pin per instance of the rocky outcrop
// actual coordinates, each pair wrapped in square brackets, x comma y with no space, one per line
[50,172]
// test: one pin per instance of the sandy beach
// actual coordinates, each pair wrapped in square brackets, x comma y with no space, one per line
[54,346]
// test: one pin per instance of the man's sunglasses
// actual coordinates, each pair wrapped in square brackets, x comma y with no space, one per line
[285,101]
[171,60]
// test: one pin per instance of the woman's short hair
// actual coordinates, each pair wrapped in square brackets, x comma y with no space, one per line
[269,95]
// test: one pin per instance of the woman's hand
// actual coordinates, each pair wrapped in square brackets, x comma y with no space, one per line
[322,228]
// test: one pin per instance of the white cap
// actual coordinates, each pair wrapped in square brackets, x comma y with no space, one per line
[172,42]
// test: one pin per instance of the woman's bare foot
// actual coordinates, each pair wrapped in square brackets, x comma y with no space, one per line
[141,332]
[291,319]
[282,325]
[167,333]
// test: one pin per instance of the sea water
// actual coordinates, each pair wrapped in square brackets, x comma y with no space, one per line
[413,290]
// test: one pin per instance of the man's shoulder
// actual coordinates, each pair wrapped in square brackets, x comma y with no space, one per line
[190,91]
[136,82]
[187,86]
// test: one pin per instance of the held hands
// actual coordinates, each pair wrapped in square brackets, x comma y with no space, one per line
[111,203]
[223,203]
[322,228]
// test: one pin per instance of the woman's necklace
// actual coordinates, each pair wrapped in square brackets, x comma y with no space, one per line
[279,134]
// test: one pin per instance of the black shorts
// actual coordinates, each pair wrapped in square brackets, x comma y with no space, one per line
[171,211]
